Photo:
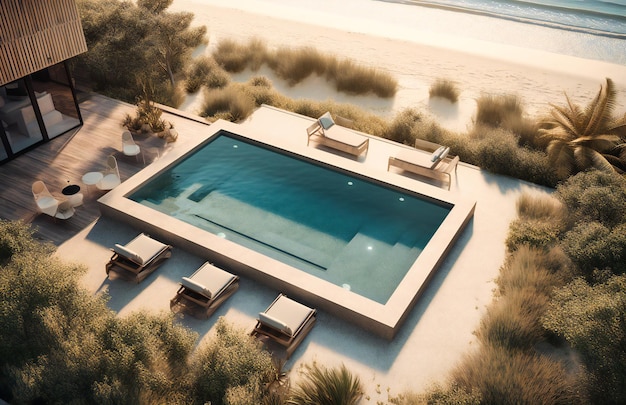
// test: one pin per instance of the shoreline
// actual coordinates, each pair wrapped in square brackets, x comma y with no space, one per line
[539,78]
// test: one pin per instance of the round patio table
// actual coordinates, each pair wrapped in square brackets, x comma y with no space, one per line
[92,178]
[73,194]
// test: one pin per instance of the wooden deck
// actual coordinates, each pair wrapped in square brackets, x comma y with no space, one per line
[66,158]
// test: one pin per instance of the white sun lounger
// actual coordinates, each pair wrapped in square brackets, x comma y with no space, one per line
[204,291]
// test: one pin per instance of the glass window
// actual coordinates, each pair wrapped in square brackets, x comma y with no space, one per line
[58,105]
[17,116]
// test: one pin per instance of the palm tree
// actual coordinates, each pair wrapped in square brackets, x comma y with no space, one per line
[580,139]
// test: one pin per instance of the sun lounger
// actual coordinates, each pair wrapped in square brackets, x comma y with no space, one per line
[433,161]
[325,132]
[204,291]
[138,258]
[285,322]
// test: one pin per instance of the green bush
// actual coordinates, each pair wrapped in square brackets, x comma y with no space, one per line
[326,386]
[534,233]
[231,367]
[402,127]
[503,377]
[594,196]
[592,246]
[497,150]
[592,319]
[61,344]
[445,89]
[449,395]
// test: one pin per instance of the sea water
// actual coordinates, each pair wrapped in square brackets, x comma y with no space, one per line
[600,17]
[589,29]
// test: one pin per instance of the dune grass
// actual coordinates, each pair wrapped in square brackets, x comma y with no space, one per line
[500,376]
[227,103]
[445,88]
[204,71]
[296,64]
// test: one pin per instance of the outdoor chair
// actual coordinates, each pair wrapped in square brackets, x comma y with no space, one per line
[285,322]
[110,175]
[204,291]
[65,210]
[129,147]
[138,258]
[46,202]
[431,160]
[327,133]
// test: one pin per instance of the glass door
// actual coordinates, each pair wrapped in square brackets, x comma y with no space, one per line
[58,106]
[17,116]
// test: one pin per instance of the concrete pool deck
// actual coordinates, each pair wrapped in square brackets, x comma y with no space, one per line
[436,333]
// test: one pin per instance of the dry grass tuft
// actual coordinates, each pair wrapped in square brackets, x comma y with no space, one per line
[445,89]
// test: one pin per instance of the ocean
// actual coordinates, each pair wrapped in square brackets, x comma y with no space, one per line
[598,17]
[588,29]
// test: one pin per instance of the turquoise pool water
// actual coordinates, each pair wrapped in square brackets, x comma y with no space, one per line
[350,231]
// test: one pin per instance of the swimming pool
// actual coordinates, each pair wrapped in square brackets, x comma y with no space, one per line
[348,230]
[317,284]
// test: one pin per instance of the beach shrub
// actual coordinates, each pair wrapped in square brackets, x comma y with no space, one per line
[295,65]
[541,219]
[204,71]
[326,386]
[594,196]
[61,344]
[592,246]
[229,103]
[494,110]
[442,395]
[402,127]
[591,319]
[352,78]
[230,367]
[515,377]
[513,324]
[235,57]
[444,88]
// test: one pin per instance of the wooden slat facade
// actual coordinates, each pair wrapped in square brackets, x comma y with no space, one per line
[36,34]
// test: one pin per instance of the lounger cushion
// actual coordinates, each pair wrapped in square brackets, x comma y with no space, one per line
[127,253]
[274,323]
[197,287]
[444,153]
[326,121]
[437,154]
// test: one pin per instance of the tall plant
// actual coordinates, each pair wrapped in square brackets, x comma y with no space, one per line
[582,138]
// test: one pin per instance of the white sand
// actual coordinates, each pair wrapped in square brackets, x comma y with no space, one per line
[382,35]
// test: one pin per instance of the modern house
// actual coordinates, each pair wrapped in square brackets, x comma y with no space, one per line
[37,95]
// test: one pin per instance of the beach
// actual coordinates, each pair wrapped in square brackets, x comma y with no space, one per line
[382,35]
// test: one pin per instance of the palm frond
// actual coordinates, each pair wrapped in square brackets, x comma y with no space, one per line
[601,143]
[567,118]
[556,133]
[588,157]
[561,156]
[600,111]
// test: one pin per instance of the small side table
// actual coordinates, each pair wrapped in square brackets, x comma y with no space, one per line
[73,194]
[92,178]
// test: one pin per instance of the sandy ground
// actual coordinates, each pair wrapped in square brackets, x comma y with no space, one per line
[478,66]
